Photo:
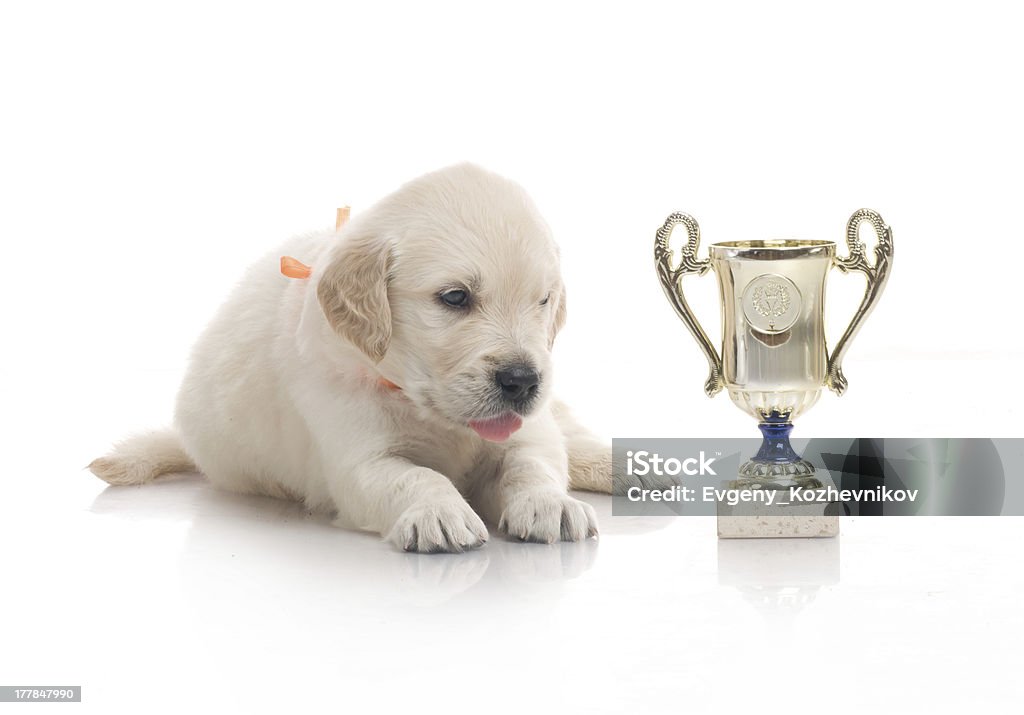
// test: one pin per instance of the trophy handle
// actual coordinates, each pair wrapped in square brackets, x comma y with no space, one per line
[877,273]
[671,283]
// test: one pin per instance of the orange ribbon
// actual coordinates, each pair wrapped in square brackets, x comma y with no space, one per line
[294,268]
[387,384]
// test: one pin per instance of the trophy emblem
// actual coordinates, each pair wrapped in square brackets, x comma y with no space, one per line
[774,360]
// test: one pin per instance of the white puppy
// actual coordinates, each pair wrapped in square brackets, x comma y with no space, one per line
[408,374]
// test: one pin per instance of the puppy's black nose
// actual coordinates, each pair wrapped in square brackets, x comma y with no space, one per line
[517,382]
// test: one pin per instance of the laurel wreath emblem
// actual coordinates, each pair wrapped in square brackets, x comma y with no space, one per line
[771,299]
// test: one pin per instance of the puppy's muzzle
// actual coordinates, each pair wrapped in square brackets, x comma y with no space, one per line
[518,383]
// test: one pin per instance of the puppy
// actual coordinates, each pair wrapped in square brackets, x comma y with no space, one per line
[406,378]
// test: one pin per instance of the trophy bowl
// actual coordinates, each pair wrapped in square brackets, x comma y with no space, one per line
[774,359]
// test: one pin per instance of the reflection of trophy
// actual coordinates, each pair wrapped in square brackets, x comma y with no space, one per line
[774,360]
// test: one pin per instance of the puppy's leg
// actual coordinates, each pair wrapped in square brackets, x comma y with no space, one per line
[413,507]
[590,458]
[528,497]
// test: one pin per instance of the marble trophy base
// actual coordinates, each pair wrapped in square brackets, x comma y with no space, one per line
[783,518]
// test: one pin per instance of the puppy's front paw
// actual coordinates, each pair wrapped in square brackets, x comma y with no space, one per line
[433,527]
[547,515]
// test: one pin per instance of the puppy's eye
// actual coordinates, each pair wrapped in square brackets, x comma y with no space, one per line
[455,298]
[546,299]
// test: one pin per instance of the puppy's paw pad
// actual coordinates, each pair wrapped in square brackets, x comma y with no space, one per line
[547,516]
[438,527]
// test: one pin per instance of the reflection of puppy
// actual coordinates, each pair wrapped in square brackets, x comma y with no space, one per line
[411,370]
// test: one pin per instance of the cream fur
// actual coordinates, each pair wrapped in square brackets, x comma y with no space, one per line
[283,393]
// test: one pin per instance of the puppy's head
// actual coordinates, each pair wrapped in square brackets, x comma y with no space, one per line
[452,287]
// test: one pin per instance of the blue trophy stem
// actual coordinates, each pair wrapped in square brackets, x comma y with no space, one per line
[775,446]
[776,463]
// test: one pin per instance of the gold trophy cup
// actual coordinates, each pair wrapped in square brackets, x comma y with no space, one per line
[774,359]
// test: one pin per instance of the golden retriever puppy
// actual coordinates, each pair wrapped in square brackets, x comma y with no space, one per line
[408,377]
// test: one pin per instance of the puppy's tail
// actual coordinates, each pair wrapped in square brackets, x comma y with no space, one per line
[590,459]
[142,458]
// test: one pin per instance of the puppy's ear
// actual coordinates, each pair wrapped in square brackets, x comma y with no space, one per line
[558,320]
[353,293]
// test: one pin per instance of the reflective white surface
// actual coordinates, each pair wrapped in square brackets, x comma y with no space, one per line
[176,593]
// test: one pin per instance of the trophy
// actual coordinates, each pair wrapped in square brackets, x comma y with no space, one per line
[774,359]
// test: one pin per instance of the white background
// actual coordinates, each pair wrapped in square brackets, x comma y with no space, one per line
[149,151]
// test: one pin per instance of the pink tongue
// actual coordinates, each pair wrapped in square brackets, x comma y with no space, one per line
[497,429]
